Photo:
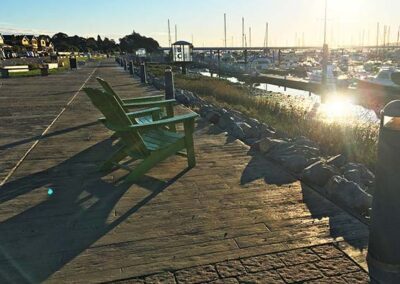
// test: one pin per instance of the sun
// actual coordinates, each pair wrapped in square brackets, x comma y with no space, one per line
[336,109]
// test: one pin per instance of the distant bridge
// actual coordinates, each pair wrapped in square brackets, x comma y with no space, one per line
[282,48]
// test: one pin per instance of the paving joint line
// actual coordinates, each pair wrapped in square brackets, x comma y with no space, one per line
[12,171]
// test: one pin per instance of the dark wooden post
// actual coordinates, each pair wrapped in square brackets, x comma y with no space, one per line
[219,63]
[279,57]
[4,73]
[131,67]
[169,84]
[143,75]
[44,70]
[184,69]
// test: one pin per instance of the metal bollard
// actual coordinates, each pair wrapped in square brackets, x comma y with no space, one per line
[384,238]
[125,65]
[4,73]
[143,75]
[184,69]
[131,67]
[73,64]
[44,71]
[169,84]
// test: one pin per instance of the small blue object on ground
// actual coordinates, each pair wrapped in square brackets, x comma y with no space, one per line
[50,191]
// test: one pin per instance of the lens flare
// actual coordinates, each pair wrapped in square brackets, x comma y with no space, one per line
[50,192]
[337,109]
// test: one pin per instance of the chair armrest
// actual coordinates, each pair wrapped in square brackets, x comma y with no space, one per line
[151,104]
[164,122]
[143,99]
[139,113]
[144,112]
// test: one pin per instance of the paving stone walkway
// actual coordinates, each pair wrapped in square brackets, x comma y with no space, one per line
[318,264]
[235,217]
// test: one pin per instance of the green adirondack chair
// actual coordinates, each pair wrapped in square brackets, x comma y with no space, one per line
[140,102]
[149,142]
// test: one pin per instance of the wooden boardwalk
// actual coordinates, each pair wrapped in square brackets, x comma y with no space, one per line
[234,205]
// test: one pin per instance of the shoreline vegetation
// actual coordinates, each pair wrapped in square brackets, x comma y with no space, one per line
[356,140]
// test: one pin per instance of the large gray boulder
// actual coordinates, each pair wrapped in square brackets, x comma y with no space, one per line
[181,97]
[295,162]
[266,144]
[295,155]
[319,173]
[226,121]
[304,141]
[348,193]
[213,116]
[250,132]
[205,109]
[337,161]
[358,173]
[237,131]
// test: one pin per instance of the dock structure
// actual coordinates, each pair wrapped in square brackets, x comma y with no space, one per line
[234,217]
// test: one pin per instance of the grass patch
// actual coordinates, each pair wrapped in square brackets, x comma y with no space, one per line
[36,72]
[357,141]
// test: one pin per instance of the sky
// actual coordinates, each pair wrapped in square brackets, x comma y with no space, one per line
[291,22]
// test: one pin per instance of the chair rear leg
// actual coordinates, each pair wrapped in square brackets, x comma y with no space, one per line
[115,158]
[189,129]
[151,161]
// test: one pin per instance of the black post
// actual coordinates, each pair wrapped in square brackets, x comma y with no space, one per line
[125,65]
[4,73]
[143,75]
[131,67]
[384,237]
[72,63]
[184,69]
[279,57]
[44,70]
[169,84]
[219,63]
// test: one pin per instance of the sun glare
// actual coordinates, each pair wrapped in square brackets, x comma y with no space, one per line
[336,109]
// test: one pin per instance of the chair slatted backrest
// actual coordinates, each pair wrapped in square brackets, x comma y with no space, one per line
[107,88]
[116,118]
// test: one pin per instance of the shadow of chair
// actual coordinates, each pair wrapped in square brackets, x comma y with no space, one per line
[40,240]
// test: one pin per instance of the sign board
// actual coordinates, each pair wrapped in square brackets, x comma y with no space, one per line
[182,53]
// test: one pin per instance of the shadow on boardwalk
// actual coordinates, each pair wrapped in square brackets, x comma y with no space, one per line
[39,241]
[349,228]
[341,224]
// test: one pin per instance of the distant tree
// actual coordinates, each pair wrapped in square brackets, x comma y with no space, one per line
[129,43]
[91,44]
[99,40]
[109,45]
[134,41]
